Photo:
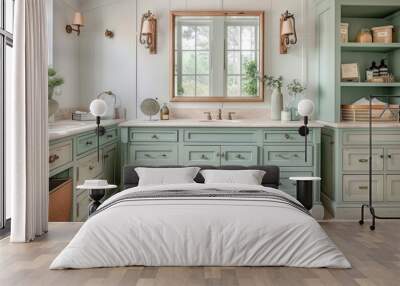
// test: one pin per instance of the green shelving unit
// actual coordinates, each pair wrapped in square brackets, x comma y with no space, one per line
[369,47]
[369,84]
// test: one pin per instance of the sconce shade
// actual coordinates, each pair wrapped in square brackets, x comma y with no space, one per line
[287,27]
[98,107]
[78,19]
[305,107]
[147,29]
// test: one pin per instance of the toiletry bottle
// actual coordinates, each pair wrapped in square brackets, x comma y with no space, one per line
[369,74]
[164,112]
[383,69]
[375,69]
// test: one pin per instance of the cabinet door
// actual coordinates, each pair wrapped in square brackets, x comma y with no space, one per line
[239,155]
[356,188]
[392,191]
[201,155]
[110,163]
[393,159]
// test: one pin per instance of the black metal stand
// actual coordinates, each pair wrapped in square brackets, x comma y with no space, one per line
[305,193]
[96,195]
[370,202]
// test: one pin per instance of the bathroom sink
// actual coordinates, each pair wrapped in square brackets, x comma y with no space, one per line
[221,121]
[67,125]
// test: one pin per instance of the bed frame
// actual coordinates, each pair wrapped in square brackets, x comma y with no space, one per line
[271,178]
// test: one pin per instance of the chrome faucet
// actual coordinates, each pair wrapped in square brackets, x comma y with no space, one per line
[220,112]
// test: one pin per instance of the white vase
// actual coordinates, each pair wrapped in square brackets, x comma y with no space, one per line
[276,104]
[285,115]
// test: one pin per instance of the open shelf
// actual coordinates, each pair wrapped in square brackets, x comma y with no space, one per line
[369,84]
[370,47]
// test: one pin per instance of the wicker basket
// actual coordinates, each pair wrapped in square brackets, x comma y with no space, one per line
[361,112]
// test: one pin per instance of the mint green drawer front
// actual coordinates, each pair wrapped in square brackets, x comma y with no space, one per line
[357,137]
[86,143]
[109,136]
[220,136]
[153,155]
[288,156]
[289,186]
[239,155]
[136,135]
[285,136]
[201,155]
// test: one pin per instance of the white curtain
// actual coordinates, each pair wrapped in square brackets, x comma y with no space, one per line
[26,124]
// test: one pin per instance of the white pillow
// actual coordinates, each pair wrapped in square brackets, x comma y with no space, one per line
[248,177]
[166,176]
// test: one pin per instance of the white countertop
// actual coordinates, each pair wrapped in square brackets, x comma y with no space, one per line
[65,128]
[351,124]
[216,123]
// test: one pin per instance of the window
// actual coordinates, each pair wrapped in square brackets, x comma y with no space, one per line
[6,44]
[192,55]
[240,50]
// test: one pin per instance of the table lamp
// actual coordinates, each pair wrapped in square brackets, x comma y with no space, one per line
[98,108]
[305,109]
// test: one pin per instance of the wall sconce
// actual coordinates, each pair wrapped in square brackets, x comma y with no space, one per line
[78,23]
[109,34]
[288,34]
[148,32]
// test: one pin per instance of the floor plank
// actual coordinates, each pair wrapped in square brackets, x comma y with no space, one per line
[375,257]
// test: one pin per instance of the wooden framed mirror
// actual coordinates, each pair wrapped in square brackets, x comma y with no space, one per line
[212,51]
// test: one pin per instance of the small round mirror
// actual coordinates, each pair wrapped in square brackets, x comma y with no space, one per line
[150,107]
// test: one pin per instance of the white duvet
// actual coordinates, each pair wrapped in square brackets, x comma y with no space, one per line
[202,232]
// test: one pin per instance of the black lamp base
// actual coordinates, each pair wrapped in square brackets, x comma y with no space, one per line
[96,196]
[305,193]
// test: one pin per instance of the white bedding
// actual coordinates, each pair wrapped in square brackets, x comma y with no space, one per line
[200,231]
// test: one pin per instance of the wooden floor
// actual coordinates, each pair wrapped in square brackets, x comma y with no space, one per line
[375,257]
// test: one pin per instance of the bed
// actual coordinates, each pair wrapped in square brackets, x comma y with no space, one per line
[201,224]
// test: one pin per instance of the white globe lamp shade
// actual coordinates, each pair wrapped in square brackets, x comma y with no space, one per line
[98,107]
[305,107]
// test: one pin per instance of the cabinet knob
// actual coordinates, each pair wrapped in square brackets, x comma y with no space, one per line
[287,136]
[223,154]
[363,160]
[239,156]
[164,155]
[91,168]
[109,136]
[204,157]
[89,142]
[53,158]
[381,156]
[154,136]
[389,156]
[363,187]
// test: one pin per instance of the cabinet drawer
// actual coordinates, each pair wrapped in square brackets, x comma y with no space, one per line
[60,154]
[358,159]
[290,136]
[201,155]
[239,155]
[355,188]
[153,155]
[86,143]
[393,159]
[362,137]
[82,206]
[153,135]
[392,191]
[220,136]
[109,136]
[288,156]
[289,186]
[89,168]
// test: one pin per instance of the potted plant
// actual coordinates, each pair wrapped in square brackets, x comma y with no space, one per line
[295,88]
[54,81]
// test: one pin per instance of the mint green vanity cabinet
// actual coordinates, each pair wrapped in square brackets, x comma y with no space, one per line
[223,146]
[78,154]
[345,170]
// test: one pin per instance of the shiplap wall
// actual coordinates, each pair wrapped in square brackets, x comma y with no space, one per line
[125,67]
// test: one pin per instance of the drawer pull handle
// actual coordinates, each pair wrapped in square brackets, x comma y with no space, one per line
[164,155]
[91,168]
[363,187]
[223,154]
[363,160]
[204,157]
[287,136]
[89,142]
[295,155]
[283,157]
[53,158]
[390,156]
[147,155]
[154,136]
[381,156]
[109,136]
[239,156]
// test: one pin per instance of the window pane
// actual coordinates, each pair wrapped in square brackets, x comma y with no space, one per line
[203,63]
[233,37]
[188,37]
[203,38]
[233,88]
[249,87]
[246,58]
[188,62]
[202,86]
[248,38]
[188,86]
[9,11]
[178,86]
[233,62]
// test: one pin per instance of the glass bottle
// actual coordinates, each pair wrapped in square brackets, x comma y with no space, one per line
[383,69]
[164,112]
